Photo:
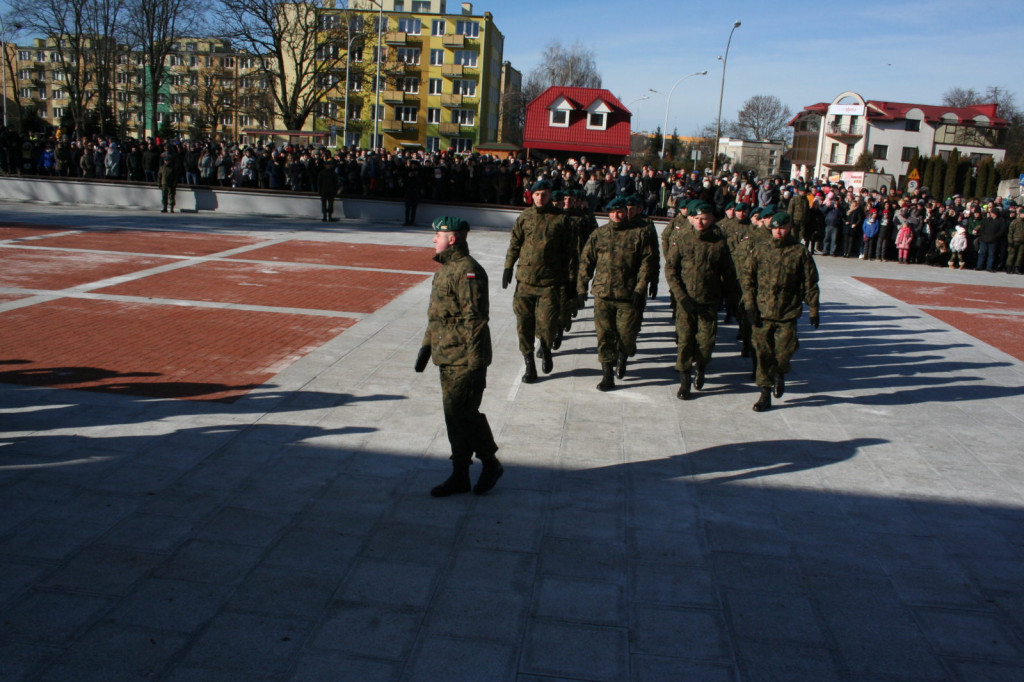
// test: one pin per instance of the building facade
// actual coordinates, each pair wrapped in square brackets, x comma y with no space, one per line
[589,121]
[828,138]
[765,157]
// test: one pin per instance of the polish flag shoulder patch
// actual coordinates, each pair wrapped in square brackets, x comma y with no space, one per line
[470,275]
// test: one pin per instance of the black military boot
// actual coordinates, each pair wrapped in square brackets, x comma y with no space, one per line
[620,366]
[685,381]
[489,476]
[607,377]
[780,385]
[698,379]
[753,370]
[557,343]
[457,483]
[530,375]
[546,365]
[765,401]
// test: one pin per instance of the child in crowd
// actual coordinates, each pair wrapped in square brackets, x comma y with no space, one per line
[958,248]
[870,231]
[904,238]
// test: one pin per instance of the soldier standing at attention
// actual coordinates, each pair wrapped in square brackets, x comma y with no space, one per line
[459,342]
[699,272]
[779,278]
[167,179]
[635,215]
[542,243]
[620,257]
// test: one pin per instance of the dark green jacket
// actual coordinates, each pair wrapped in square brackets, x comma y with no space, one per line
[779,277]
[699,269]
[621,258]
[457,330]
[542,244]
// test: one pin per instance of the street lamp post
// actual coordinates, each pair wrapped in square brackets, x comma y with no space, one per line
[3,66]
[348,62]
[668,103]
[721,92]
[376,81]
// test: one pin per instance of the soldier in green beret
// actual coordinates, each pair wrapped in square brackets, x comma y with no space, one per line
[620,256]
[459,342]
[779,278]
[541,242]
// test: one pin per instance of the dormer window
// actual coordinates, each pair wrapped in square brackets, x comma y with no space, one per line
[597,115]
[596,121]
[559,112]
[560,118]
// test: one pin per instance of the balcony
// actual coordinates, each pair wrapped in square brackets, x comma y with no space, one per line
[396,38]
[449,129]
[396,68]
[451,101]
[393,96]
[392,126]
[450,40]
[834,130]
[839,160]
[452,70]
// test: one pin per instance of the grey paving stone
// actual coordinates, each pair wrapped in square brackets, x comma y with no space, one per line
[969,633]
[194,673]
[772,616]
[757,572]
[317,666]
[172,605]
[476,613]
[283,592]
[672,584]
[663,546]
[927,587]
[386,632]
[19,574]
[396,541]
[662,668]
[389,582]
[458,659]
[585,652]
[248,643]
[20,661]
[580,601]
[776,661]
[502,532]
[314,551]
[149,532]
[589,560]
[102,569]
[679,633]
[988,671]
[51,618]
[488,569]
[209,562]
[243,526]
[48,538]
[109,652]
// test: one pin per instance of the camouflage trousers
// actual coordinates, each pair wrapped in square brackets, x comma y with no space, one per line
[696,333]
[774,344]
[1015,256]
[568,308]
[167,196]
[617,324]
[538,314]
[468,430]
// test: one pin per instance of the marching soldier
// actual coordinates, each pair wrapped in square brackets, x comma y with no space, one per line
[459,342]
[780,277]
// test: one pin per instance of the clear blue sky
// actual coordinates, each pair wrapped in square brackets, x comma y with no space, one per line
[803,52]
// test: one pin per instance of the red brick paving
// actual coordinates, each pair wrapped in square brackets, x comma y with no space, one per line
[279,285]
[154,350]
[163,242]
[1005,332]
[354,255]
[10,231]
[951,295]
[44,269]
[11,297]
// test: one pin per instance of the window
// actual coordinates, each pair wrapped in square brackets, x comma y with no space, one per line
[913,125]
[466,57]
[42,93]
[25,93]
[420,5]
[193,60]
[380,24]
[193,80]
[355,83]
[466,117]
[411,26]
[327,81]
[41,76]
[24,55]
[380,54]
[461,144]
[437,27]
[406,114]
[174,60]
[433,115]
[356,55]
[470,29]
[124,96]
[327,109]
[908,153]
[123,78]
[596,121]
[467,88]
[327,51]
[178,99]
[433,144]
[409,55]
[880,152]
[355,111]
[225,119]
[435,86]
[25,74]
[436,57]
[174,79]
[378,143]
[59,94]
[560,118]
[376,113]
[229,62]
[329,22]
[57,75]
[408,84]
[191,47]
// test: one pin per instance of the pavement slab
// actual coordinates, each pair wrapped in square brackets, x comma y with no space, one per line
[215,461]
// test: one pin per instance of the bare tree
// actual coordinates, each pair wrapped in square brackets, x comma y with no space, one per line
[1006,108]
[81,34]
[572,66]
[300,42]
[764,117]
[151,28]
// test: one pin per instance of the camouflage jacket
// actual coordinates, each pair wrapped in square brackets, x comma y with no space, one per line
[798,208]
[542,243]
[644,221]
[779,277]
[457,330]
[742,239]
[621,258]
[1016,233]
[698,268]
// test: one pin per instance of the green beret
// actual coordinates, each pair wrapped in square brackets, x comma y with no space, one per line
[618,203]
[692,204]
[579,194]
[634,200]
[448,223]
[731,204]
[740,206]
[781,219]
[558,194]
[699,207]
[540,185]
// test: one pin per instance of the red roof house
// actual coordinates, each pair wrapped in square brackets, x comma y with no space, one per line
[581,120]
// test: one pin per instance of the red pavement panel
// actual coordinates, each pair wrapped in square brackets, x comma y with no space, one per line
[156,242]
[1005,332]
[45,269]
[950,295]
[278,285]
[11,231]
[154,350]
[353,255]
[11,297]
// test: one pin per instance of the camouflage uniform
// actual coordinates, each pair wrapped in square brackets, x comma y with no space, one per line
[542,243]
[460,345]
[699,272]
[677,227]
[743,238]
[167,179]
[1015,241]
[779,277]
[798,208]
[621,258]
[579,227]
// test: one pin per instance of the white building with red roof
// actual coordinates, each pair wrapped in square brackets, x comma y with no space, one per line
[829,137]
[581,120]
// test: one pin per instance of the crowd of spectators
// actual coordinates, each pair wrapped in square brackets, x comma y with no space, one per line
[839,221]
